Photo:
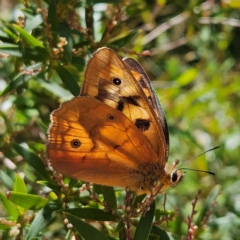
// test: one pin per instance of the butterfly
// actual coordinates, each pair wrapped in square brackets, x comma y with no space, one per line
[115,132]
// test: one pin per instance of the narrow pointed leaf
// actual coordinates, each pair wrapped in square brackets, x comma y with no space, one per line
[53,20]
[27,201]
[44,216]
[17,82]
[11,49]
[69,78]
[20,79]
[162,234]
[9,206]
[145,224]
[52,15]
[91,214]
[31,40]
[6,179]
[19,184]
[97,188]
[120,226]
[8,32]
[35,22]
[33,160]
[109,197]
[87,231]
[37,54]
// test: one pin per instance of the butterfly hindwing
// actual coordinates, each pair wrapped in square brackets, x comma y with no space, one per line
[90,140]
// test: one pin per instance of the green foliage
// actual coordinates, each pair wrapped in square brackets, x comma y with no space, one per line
[191,51]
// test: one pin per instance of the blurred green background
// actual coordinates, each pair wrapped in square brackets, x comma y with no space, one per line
[191,52]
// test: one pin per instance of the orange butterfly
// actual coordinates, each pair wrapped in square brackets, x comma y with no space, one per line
[115,133]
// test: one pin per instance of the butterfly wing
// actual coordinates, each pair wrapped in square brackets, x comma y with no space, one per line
[109,80]
[143,80]
[94,142]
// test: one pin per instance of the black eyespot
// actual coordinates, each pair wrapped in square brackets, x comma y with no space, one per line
[142,124]
[117,81]
[75,143]
[174,177]
[111,117]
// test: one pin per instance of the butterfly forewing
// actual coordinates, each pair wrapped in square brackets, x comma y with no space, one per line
[109,80]
[143,80]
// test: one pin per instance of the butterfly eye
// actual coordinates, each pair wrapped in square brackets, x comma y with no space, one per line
[111,117]
[75,143]
[117,81]
[174,177]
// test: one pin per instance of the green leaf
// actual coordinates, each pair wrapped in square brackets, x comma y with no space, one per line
[10,32]
[56,89]
[78,62]
[52,15]
[42,126]
[91,214]
[109,197]
[69,78]
[11,209]
[52,185]
[31,40]
[162,233]
[86,231]
[145,224]
[33,160]
[6,179]
[27,201]
[37,54]
[11,49]
[35,22]
[120,225]
[97,188]
[42,219]
[19,184]
[72,183]
[53,20]
[20,79]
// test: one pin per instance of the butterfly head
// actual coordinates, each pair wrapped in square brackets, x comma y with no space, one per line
[172,176]
[176,176]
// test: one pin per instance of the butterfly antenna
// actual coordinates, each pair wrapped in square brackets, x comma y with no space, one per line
[211,149]
[196,170]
